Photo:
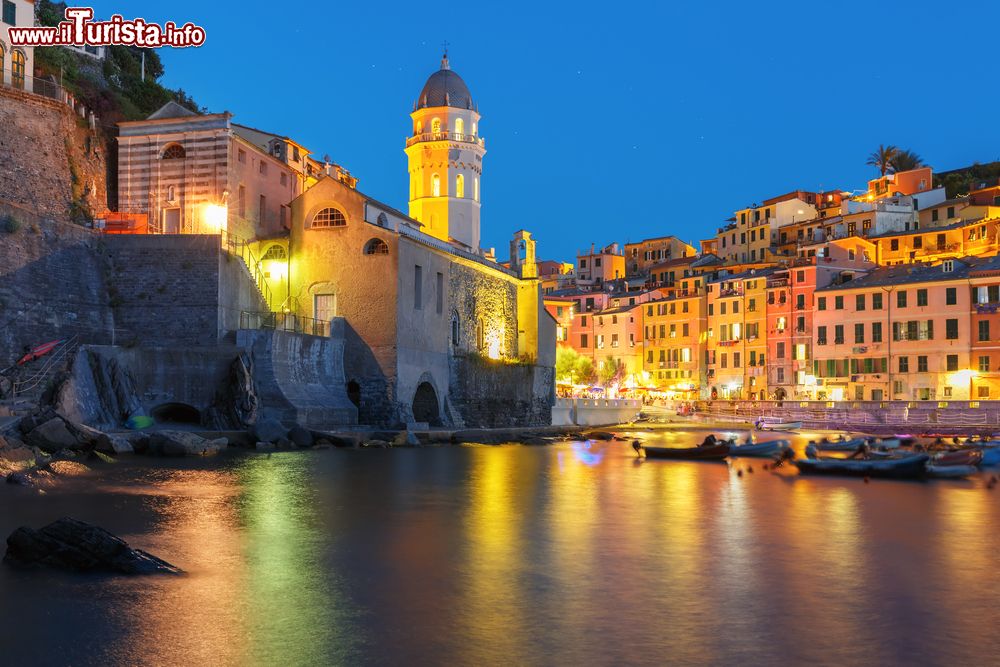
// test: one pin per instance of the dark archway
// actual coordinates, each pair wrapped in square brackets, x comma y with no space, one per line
[425,405]
[354,393]
[176,413]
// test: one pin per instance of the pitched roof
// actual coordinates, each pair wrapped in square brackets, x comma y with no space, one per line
[904,274]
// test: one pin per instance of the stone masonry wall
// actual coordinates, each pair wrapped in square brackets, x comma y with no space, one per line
[49,157]
[52,284]
[493,394]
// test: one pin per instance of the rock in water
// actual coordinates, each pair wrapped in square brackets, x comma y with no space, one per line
[183,443]
[52,436]
[69,544]
[300,436]
[269,430]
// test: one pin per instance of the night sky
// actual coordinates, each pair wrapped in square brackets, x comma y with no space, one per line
[612,121]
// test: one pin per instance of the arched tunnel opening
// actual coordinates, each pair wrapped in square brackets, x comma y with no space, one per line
[176,413]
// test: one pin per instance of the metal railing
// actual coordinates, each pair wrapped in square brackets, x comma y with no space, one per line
[445,136]
[289,322]
[52,362]
[240,248]
[32,84]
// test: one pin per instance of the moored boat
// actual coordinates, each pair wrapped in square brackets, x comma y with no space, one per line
[950,471]
[849,445]
[910,467]
[774,425]
[703,453]
[961,457]
[760,449]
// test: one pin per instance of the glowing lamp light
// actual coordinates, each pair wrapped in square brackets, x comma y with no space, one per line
[963,375]
[216,216]
[277,268]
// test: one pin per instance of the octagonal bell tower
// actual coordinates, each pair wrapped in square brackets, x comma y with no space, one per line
[445,155]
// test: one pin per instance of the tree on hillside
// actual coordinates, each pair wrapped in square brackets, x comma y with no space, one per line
[905,160]
[882,158]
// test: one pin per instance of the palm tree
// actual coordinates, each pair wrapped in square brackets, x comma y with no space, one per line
[882,158]
[905,160]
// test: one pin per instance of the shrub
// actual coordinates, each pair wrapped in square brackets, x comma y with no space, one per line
[9,224]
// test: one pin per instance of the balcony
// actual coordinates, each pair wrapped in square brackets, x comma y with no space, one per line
[445,136]
[987,308]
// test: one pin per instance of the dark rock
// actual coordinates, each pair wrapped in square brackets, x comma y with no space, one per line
[20,478]
[301,437]
[113,444]
[69,544]
[52,436]
[64,454]
[284,443]
[265,447]
[599,435]
[269,430]
[183,443]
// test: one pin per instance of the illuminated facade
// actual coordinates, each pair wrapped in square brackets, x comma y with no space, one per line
[445,154]
[642,256]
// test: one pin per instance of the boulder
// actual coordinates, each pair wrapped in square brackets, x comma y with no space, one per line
[69,544]
[265,447]
[300,437]
[183,443]
[113,444]
[68,468]
[284,443]
[52,435]
[269,430]
[20,478]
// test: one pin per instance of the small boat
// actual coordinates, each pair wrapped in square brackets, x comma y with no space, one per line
[765,425]
[960,457]
[910,467]
[950,471]
[849,445]
[705,453]
[886,443]
[991,456]
[759,449]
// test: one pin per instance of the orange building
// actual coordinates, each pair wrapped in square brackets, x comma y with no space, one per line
[597,267]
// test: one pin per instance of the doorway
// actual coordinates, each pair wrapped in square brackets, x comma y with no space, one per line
[171,221]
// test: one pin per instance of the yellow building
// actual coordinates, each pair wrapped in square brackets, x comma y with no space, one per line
[977,238]
[737,335]
[674,333]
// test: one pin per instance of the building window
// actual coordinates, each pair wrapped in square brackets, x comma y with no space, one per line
[329,217]
[262,168]
[171,193]
[435,185]
[475,188]
[439,295]
[984,364]
[952,360]
[241,156]
[821,303]
[951,329]
[459,126]
[922,364]
[859,302]
[174,152]
[460,186]
[17,69]
[921,297]
[876,302]
[376,247]
[435,125]
[876,332]
[262,210]
[984,330]
[951,296]
[455,330]
[275,252]
[859,333]
[418,287]
[284,178]
[838,303]
[901,299]
[9,12]
[904,364]
[241,200]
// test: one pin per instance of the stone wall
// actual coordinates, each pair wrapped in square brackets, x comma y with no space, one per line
[176,289]
[50,157]
[491,394]
[52,283]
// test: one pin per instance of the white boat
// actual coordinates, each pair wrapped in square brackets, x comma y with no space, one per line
[759,449]
[764,425]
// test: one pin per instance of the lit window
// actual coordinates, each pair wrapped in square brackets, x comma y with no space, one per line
[329,217]
[436,125]
[460,186]
[174,152]
[376,247]
[473,128]
[435,185]
[17,69]
[475,188]
[459,126]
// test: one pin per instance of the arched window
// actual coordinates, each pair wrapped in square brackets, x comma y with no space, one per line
[174,152]
[475,188]
[473,128]
[275,252]
[376,247]
[436,125]
[420,126]
[329,217]
[455,332]
[17,69]
[460,186]
[435,185]
[459,126]
[172,193]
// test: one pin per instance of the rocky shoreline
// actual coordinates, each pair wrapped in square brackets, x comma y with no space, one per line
[46,445]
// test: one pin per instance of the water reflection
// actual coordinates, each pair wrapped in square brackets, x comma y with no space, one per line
[487,555]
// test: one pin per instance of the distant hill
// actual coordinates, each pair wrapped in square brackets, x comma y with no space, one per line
[958,182]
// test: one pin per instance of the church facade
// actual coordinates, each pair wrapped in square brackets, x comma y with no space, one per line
[437,332]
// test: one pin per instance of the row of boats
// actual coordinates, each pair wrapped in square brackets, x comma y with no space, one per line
[869,457]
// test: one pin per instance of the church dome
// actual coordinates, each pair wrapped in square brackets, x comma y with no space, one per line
[445,88]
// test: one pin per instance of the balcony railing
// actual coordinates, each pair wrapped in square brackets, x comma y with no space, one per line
[284,322]
[446,136]
[33,84]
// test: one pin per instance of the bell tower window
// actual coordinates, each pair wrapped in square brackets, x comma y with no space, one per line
[460,186]
[475,188]
[435,186]
[459,126]
[436,125]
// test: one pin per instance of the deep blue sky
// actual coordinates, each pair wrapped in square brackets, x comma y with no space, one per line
[611,121]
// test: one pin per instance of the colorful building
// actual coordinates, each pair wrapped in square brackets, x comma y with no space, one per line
[641,256]
[598,267]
